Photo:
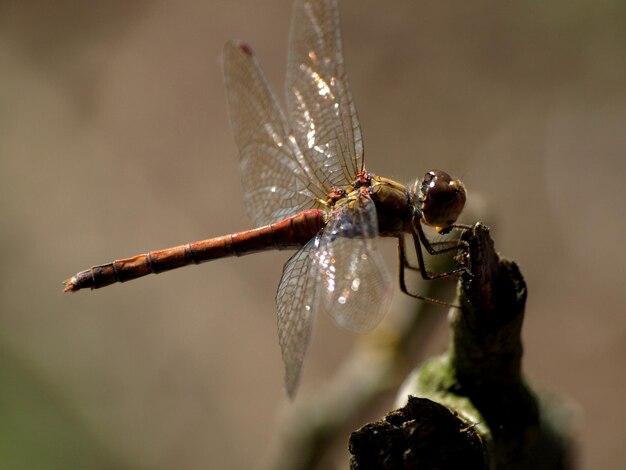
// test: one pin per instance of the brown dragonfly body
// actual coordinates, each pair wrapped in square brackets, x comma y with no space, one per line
[390,198]
[293,232]
[305,186]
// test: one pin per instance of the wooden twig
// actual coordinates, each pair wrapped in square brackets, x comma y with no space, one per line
[479,379]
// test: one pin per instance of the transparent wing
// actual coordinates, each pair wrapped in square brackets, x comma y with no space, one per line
[276,179]
[319,103]
[295,300]
[355,287]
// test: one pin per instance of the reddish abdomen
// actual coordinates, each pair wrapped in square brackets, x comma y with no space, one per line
[292,232]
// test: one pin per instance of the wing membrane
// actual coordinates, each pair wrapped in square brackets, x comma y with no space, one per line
[356,287]
[319,102]
[340,271]
[276,178]
[289,165]
[295,300]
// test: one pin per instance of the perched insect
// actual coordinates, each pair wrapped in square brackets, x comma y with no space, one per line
[306,186]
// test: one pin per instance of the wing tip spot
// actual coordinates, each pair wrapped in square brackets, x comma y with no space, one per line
[245,49]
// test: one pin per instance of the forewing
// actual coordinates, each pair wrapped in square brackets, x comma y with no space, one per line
[276,180]
[295,301]
[355,284]
[319,103]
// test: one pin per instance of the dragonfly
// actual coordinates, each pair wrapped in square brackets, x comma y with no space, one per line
[306,188]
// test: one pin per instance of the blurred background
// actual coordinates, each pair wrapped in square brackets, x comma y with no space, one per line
[115,140]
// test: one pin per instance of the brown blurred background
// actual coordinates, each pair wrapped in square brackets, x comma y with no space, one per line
[114,140]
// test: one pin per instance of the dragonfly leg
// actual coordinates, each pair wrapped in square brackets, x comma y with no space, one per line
[429,246]
[407,264]
[445,242]
[419,236]
[402,258]
[403,263]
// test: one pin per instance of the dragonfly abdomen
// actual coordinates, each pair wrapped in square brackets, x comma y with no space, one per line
[292,232]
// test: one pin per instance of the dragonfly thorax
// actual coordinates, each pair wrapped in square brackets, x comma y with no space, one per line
[393,206]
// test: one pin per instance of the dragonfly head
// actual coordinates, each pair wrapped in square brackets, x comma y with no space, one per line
[439,199]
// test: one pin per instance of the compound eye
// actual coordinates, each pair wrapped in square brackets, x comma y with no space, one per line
[441,192]
[443,199]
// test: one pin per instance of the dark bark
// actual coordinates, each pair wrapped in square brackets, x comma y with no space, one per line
[423,434]
[479,380]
